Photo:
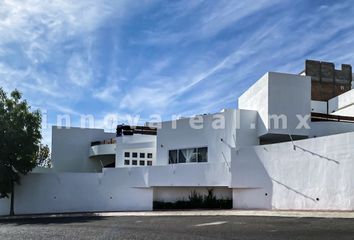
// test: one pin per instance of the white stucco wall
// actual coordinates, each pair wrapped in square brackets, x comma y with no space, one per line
[190,174]
[246,128]
[342,104]
[71,148]
[319,107]
[184,136]
[4,206]
[112,190]
[316,175]
[103,149]
[319,129]
[136,143]
[279,94]
[256,98]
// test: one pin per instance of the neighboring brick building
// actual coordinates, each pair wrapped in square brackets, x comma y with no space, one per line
[327,82]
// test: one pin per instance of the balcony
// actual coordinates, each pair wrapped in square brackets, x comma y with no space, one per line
[100,148]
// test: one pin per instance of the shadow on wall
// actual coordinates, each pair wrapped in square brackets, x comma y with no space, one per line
[316,154]
[295,191]
[252,186]
[259,172]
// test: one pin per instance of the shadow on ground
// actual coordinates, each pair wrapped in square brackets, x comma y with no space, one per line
[51,220]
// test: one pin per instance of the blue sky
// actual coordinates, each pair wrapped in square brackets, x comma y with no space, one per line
[160,57]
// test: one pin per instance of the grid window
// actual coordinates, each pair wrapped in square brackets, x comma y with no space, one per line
[142,155]
[127,154]
[149,163]
[135,155]
[149,155]
[135,162]
[142,163]
[126,162]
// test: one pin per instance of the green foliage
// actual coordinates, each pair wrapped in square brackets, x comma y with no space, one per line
[43,157]
[19,140]
[196,201]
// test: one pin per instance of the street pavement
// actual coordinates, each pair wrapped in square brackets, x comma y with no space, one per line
[177,227]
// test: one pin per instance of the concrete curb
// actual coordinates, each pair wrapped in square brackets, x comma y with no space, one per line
[256,213]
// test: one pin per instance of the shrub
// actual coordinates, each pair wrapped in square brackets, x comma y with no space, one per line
[196,201]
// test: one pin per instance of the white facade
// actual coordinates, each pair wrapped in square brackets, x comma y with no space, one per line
[143,146]
[278,95]
[71,149]
[311,174]
[214,131]
[343,104]
[308,165]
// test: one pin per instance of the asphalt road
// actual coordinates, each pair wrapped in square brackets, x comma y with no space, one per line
[193,227]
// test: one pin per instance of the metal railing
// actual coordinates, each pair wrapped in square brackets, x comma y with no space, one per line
[109,141]
[322,117]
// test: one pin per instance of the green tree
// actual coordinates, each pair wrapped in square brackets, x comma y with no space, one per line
[20,137]
[43,158]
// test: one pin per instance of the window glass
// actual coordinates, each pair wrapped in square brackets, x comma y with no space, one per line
[127,154]
[142,155]
[142,163]
[149,155]
[172,157]
[135,155]
[188,155]
[126,162]
[149,163]
[203,154]
[181,158]
[134,162]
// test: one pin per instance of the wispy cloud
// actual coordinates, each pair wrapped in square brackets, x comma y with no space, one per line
[146,57]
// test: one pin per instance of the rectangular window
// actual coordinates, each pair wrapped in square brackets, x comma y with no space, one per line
[126,162]
[127,154]
[135,162]
[142,163]
[149,155]
[135,155]
[149,163]
[172,157]
[188,155]
[142,155]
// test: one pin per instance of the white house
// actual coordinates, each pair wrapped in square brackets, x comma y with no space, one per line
[290,145]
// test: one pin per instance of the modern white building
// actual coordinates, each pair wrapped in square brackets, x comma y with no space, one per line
[288,146]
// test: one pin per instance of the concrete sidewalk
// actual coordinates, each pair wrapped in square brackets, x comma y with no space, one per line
[262,213]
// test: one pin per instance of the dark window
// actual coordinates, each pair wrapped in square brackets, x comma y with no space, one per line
[142,163]
[149,155]
[126,162]
[149,163]
[172,156]
[135,155]
[203,154]
[134,162]
[127,154]
[181,157]
[142,155]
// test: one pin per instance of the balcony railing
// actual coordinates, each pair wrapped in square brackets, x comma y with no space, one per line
[319,117]
[131,130]
[109,141]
